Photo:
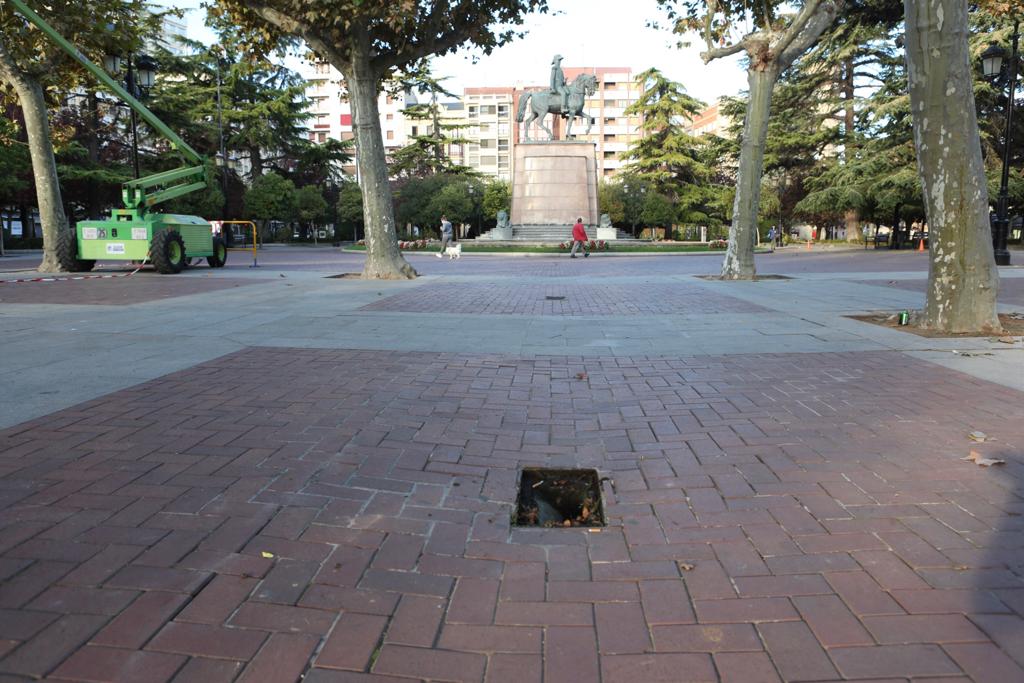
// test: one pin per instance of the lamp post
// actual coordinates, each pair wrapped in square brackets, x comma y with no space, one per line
[139,77]
[992,66]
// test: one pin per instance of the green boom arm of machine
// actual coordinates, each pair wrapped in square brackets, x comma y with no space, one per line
[136,193]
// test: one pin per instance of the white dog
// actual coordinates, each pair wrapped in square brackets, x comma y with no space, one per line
[453,252]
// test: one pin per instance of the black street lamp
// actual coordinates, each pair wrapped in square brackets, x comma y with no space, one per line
[992,66]
[139,78]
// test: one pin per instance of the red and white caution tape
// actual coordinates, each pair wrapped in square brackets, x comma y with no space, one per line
[74,277]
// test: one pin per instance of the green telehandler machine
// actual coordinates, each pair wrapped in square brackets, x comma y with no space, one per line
[135,233]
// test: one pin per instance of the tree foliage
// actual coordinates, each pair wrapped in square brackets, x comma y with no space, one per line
[368,41]
[350,209]
[676,164]
[32,65]
[778,38]
[428,151]
[497,197]
[271,197]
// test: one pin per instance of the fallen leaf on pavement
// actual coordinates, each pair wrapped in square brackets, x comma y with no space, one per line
[684,566]
[266,555]
[983,461]
[978,436]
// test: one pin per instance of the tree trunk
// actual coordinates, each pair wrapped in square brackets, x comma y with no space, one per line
[739,255]
[851,217]
[44,166]
[384,261]
[962,280]
[44,170]
[255,162]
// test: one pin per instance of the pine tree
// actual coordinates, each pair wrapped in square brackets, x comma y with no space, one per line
[666,157]
[429,152]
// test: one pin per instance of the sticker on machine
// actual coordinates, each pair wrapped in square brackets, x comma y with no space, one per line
[90,233]
[140,234]
[115,248]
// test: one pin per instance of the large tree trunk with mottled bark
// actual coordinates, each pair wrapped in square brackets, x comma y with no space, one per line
[44,165]
[739,255]
[963,280]
[44,171]
[384,260]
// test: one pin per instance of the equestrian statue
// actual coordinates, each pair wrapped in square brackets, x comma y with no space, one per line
[563,99]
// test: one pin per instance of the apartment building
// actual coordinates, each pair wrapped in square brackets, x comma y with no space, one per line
[489,129]
[711,121]
[485,118]
[332,112]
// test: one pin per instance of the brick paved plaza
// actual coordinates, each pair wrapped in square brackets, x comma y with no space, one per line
[308,477]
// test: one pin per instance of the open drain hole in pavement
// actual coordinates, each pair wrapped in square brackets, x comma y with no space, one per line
[559,499]
[555,298]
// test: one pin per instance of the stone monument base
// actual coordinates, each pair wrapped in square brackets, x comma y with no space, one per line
[554,183]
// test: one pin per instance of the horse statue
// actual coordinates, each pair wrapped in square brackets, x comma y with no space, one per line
[544,102]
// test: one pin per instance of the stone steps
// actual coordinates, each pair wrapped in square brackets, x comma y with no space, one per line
[544,233]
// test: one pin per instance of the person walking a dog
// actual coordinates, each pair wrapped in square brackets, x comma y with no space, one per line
[579,237]
[446,235]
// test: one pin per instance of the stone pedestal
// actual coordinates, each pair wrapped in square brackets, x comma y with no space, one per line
[554,183]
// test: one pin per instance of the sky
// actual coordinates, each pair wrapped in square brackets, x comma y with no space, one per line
[585,33]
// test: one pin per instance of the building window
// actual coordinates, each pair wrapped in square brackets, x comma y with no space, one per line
[391,135]
[503,110]
[609,155]
[488,110]
[415,130]
[321,137]
[488,161]
[485,128]
[502,162]
[391,117]
[323,68]
[473,160]
[503,129]
[473,112]
[609,120]
[609,137]
[487,144]
[502,145]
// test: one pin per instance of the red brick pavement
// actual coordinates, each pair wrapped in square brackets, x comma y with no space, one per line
[516,299]
[345,515]
[138,288]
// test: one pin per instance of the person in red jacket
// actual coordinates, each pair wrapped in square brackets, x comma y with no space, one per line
[579,237]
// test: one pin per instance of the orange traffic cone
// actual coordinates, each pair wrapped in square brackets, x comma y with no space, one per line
[920,244]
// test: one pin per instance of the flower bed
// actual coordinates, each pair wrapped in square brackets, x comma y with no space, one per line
[594,245]
[718,244]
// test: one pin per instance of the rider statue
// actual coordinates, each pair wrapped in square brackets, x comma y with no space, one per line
[558,83]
